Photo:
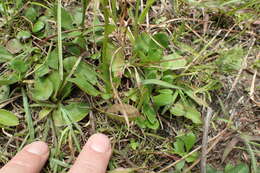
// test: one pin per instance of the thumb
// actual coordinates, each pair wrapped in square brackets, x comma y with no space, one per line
[30,160]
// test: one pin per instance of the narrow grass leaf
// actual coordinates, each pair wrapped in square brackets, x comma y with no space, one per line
[141,18]
[28,116]
[160,83]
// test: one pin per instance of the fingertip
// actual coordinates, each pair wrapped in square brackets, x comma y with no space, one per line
[30,159]
[39,148]
[94,156]
[99,143]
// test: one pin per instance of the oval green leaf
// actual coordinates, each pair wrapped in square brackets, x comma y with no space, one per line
[38,26]
[43,89]
[7,118]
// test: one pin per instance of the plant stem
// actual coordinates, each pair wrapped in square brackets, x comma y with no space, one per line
[60,40]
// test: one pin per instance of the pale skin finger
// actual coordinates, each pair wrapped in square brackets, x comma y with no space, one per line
[30,160]
[94,157]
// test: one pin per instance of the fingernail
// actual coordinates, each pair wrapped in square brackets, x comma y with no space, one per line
[38,148]
[99,143]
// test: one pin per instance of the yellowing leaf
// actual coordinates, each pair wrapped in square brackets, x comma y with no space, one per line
[116,112]
[14,46]
[44,112]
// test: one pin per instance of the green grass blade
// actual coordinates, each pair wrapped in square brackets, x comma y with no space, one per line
[160,83]
[28,116]
[84,4]
[60,40]
[145,11]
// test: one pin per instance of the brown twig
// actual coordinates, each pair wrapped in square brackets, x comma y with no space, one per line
[205,141]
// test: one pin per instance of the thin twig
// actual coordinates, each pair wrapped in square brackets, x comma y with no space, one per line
[59,40]
[205,141]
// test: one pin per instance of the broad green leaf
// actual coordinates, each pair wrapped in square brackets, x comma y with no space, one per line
[43,89]
[38,26]
[154,55]
[160,83]
[23,35]
[163,99]
[8,79]
[53,59]
[66,90]
[7,118]
[42,70]
[189,140]
[162,39]
[83,70]
[19,65]
[140,121]
[179,166]
[4,92]
[173,62]
[178,110]
[54,77]
[150,113]
[77,111]
[31,14]
[193,115]
[5,56]
[168,78]
[14,46]
[85,86]
[74,111]
[179,147]
[153,126]
[142,43]
[182,146]
[66,19]
[190,112]
[241,168]
[210,169]
[194,156]
[228,167]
